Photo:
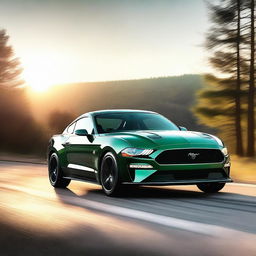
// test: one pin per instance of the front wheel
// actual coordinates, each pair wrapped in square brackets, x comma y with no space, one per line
[109,176]
[211,187]
[55,173]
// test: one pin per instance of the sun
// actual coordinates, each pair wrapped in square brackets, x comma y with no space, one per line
[42,72]
[37,82]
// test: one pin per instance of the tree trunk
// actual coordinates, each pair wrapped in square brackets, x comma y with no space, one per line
[251,115]
[238,129]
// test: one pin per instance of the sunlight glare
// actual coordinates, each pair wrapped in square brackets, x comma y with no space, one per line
[42,72]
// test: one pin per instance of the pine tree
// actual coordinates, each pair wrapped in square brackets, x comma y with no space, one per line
[10,69]
[251,93]
[232,42]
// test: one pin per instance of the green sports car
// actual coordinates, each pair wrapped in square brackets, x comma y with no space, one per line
[116,148]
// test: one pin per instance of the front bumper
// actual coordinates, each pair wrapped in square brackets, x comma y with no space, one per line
[173,174]
[179,182]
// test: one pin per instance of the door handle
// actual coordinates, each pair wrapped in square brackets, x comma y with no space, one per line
[66,144]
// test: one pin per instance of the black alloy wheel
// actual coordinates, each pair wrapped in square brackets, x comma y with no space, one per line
[55,173]
[109,177]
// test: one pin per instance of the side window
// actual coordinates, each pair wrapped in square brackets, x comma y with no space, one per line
[85,123]
[71,128]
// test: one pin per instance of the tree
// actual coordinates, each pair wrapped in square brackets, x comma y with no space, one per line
[18,130]
[10,69]
[224,42]
[251,93]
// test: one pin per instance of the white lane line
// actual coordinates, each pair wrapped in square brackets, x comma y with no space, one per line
[201,228]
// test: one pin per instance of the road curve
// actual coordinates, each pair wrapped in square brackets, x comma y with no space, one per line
[37,219]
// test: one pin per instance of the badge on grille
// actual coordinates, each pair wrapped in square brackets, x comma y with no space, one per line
[193,155]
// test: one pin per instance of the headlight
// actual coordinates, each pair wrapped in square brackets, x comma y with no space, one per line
[225,151]
[130,152]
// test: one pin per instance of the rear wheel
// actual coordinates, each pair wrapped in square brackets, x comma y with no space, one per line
[109,176]
[211,187]
[55,173]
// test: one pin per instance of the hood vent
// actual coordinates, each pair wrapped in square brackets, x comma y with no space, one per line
[153,136]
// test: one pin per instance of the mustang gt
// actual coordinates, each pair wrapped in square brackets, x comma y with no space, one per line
[116,148]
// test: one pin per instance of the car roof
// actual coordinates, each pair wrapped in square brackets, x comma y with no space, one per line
[110,111]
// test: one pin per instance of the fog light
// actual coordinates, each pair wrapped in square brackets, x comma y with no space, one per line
[140,166]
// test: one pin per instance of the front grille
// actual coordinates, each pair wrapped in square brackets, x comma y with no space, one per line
[190,156]
[207,174]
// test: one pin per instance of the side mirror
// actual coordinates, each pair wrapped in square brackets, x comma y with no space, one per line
[81,132]
[183,128]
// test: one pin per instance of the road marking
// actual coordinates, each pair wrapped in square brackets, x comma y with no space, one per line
[196,227]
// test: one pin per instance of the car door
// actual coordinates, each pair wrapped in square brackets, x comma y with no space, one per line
[80,151]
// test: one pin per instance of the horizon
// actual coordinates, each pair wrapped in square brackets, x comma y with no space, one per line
[106,81]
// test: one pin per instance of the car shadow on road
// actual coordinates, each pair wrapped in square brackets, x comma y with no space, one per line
[133,192]
[128,197]
[155,192]
[144,193]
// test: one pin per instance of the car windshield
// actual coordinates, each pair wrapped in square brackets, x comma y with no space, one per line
[132,121]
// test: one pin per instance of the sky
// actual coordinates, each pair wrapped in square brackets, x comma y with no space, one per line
[61,41]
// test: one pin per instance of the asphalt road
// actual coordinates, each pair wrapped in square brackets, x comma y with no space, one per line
[37,219]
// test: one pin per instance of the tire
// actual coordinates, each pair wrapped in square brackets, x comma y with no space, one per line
[211,187]
[109,176]
[55,173]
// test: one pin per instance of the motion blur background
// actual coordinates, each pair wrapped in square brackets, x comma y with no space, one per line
[191,61]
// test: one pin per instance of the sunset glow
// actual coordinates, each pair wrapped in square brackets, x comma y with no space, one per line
[85,41]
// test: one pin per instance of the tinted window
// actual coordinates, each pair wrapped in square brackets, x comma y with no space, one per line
[151,122]
[71,128]
[109,124]
[130,121]
[85,123]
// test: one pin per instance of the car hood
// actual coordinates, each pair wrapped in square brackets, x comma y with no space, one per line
[156,139]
